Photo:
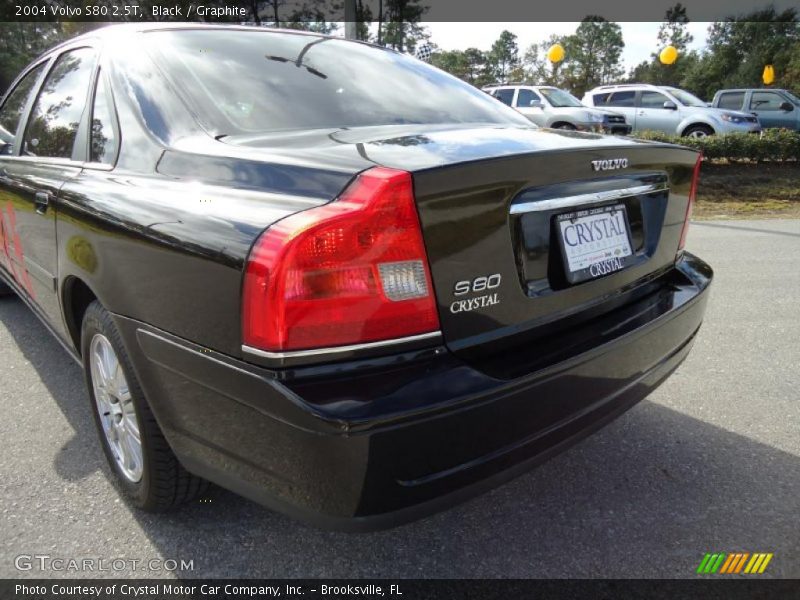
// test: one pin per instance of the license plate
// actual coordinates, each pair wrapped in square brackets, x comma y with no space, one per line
[595,242]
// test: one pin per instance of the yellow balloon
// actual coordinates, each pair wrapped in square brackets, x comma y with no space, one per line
[668,55]
[768,75]
[555,53]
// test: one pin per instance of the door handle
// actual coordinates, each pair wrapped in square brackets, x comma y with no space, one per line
[42,202]
[641,113]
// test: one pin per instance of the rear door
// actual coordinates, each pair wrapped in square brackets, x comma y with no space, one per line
[46,156]
[11,118]
[767,105]
[505,95]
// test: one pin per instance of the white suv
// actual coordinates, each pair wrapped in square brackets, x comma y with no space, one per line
[668,109]
[549,106]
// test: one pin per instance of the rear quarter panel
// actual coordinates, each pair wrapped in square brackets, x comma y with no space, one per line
[169,253]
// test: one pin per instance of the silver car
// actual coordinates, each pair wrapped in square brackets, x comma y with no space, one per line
[549,106]
[669,109]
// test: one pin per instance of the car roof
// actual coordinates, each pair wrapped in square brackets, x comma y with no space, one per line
[506,85]
[752,90]
[113,33]
[112,30]
[625,86]
[514,86]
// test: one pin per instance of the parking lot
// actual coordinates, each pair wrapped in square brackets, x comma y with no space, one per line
[708,463]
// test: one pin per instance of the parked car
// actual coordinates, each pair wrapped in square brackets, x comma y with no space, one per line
[549,106]
[5,139]
[774,108]
[330,292]
[668,109]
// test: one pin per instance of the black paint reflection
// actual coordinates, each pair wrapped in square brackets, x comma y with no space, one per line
[56,115]
[293,81]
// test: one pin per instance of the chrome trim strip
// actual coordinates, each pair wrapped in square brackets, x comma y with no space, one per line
[339,349]
[594,197]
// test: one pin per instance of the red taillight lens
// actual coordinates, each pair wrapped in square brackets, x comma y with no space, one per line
[690,205]
[349,272]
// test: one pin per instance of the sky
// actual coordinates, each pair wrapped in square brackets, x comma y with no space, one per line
[640,38]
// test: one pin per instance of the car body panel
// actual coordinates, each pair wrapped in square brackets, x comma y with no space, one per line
[489,238]
[408,440]
[672,121]
[583,118]
[32,228]
[358,438]
[765,103]
[417,148]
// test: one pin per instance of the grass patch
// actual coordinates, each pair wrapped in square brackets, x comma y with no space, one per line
[747,190]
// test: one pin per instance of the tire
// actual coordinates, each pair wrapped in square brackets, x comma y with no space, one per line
[565,126]
[150,476]
[698,131]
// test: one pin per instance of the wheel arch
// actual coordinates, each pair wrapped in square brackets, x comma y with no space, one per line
[76,297]
[694,122]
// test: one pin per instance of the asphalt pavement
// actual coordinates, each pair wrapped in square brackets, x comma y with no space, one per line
[710,462]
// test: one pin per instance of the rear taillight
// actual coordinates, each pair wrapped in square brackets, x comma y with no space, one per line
[690,205]
[352,271]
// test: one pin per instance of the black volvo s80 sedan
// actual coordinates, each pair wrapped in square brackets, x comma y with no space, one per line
[328,276]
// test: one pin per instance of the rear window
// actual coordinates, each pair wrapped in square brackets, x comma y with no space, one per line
[601,98]
[731,100]
[243,81]
[621,99]
[14,106]
[56,115]
[505,96]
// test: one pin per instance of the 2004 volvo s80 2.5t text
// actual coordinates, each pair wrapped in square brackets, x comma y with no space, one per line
[328,276]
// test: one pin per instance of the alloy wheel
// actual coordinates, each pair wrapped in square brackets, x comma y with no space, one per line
[116,409]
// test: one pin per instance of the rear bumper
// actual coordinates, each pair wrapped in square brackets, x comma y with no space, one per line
[368,445]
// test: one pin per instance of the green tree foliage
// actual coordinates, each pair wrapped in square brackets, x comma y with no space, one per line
[401,28]
[22,42]
[593,55]
[363,18]
[504,56]
[537,67]
[739,48]
[472,65]
[673,32]
[454,62]
[790,78]
[478,64]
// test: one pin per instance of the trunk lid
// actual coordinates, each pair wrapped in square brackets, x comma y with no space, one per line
[489,199]
[490,228]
